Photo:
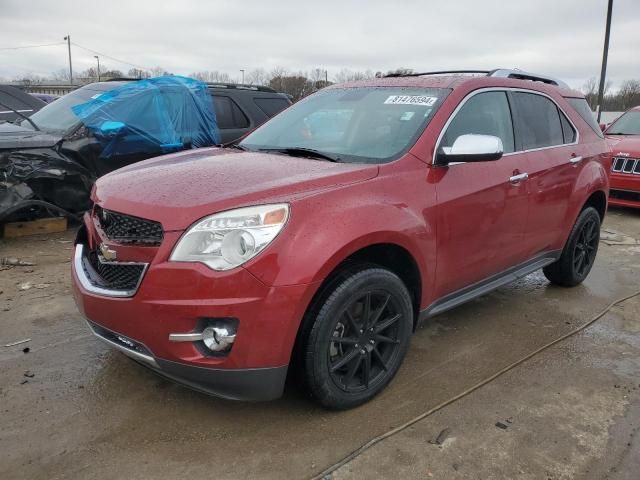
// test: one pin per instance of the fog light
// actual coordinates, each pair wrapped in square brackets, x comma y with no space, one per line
[218,339]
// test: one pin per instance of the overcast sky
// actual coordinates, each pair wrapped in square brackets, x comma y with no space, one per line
[563,38]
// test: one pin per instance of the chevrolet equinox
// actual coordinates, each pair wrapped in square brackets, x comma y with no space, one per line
[325,236]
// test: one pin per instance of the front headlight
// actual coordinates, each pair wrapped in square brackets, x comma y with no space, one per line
[228,239]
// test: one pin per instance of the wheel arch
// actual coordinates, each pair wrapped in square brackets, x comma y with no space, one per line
[389,255]
[597,200]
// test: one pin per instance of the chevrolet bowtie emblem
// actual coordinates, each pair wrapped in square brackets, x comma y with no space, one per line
[107,253]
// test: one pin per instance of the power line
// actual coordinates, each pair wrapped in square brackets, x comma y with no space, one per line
[32,46]
[110,57]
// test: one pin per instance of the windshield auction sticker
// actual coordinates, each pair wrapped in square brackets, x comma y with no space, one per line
[411,100]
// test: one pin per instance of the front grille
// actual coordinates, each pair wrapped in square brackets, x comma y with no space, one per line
[626,165]
[128,229]
[113,275]
[625,195]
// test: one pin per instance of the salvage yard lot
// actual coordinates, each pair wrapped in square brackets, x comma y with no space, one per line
[571,412]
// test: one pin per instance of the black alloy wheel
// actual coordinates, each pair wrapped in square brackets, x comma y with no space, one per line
[579,253]
[359,336]
[364,341]
[586,247]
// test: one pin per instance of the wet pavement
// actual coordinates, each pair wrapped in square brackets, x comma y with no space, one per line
[571,412]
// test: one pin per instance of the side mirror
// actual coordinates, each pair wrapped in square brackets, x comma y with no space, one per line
[471,148]
[112,128]
[603,126]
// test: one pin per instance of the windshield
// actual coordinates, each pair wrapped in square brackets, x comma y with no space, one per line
[627,124]
[358,125]
[57,116]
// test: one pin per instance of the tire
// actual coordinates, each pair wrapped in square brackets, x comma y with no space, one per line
[352,351]
[579,253]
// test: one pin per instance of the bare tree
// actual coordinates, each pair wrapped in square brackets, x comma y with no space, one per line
[29,79]
[158,72]
[590,90]
[137,73]
[212,77]
[61,75]
[346,75]
[276,78]
[258,76]
[629,93]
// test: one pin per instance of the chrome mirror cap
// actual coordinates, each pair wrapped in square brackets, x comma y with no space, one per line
[472,148]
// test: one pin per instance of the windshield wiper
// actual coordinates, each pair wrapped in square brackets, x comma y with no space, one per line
[22,115]
[237,146]
[303,152]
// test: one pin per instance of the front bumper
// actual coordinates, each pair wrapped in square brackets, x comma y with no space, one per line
[625,190]
[253,384]
[175,298]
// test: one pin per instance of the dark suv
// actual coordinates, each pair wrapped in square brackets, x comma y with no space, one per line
[241,108]
[52,159]
[326,235]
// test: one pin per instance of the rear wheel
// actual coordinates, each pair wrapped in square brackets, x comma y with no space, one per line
[359,338]
[579,253]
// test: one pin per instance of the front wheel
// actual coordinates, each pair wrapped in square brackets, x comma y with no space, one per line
[359,338]
[579,253]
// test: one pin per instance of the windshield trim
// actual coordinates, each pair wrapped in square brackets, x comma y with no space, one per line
[358,159]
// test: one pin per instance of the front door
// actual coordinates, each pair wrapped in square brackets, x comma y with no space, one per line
[482,207]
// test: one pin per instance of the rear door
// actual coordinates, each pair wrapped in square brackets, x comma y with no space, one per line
[554,159]
[482,206]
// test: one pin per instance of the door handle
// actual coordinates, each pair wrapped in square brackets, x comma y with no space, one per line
[575,160]
[515,179]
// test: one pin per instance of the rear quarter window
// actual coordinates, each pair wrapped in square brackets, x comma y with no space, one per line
[581,106]
[228,114]
[271,106]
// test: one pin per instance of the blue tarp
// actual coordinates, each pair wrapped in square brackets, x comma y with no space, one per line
[155,115]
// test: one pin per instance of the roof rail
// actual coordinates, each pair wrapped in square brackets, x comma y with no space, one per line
[498,72]
[520,75]
[240,86]
[441,72]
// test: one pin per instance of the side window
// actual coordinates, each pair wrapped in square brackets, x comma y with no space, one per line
[486,113]
[11,101]
[228,114]
[539,121]
[568,132]
[271,106]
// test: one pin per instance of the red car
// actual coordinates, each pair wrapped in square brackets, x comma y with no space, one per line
[624,138]
[323,238]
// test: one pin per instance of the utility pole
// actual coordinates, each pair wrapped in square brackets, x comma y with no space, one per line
[326,78]
[242,76]
[68,39]
[98,59]
[605,54]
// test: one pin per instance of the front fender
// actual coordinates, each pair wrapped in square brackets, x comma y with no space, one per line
[324,230]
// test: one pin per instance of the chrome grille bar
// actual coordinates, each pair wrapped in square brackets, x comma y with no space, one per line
[626,165]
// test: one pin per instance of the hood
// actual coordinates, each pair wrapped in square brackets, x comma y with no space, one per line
[14,136]
[624,145]
[176,190]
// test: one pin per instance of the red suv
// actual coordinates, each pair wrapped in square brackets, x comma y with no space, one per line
[324,237]
[624,138]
